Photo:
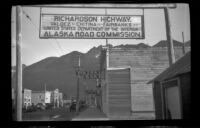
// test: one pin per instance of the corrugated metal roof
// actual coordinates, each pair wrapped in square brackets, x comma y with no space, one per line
[183,65]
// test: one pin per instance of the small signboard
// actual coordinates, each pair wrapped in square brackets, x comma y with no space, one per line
[88,74]
[74,26]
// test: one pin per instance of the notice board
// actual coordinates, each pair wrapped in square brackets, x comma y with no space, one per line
[76,26]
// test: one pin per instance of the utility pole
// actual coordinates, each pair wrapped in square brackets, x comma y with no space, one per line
[169,37]
[45,88]
[107,45]
[45,93]
[78,77]
[183,43]
[18,64]
[86,94]
[105,22]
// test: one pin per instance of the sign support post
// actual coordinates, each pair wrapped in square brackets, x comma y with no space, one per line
[183,43]
[169,37]
[77,97]
[18,64]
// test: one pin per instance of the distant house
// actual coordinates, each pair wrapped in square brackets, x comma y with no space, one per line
[55,98]
[13,97]
[171,90]
[47,97]
[26,98]
[38,97]
[13,93]
[13,72]
[43,97]
[61,99]
[13,83]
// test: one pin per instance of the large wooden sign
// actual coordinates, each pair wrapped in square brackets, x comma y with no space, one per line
[74,26]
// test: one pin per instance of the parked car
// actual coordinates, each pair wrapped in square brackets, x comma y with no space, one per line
[82,105]
[31,108]
[40,106]
[67,105]
[72,107]
[49,106]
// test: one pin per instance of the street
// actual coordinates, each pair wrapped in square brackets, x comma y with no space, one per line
[91,113]
[63,114]
[49,115]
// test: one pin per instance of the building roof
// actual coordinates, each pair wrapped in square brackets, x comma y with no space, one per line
[179,67]
[26,90]
[41,91]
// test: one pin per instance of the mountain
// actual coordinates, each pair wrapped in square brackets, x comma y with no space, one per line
[163,43]
[59,72]
[133,46]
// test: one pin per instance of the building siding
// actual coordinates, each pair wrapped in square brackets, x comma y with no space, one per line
[26,98]
[119,94]
[146,64]
[38,97]
[47,97]
[104,97]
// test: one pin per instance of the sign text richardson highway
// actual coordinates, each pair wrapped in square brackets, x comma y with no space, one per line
[75,26]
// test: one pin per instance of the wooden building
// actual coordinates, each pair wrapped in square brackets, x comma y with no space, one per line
[124,77]
[26,98]
[43,97]
[171,90]
[55,98]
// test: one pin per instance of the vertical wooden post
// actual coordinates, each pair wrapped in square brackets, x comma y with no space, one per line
[18,64]
[105,22]
[45,93]
[106,79]
[77,97]
[183,43]
[107,45]
[169,37]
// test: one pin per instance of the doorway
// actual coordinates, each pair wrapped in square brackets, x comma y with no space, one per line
[172,100]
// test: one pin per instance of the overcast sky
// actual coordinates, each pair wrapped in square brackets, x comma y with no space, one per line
[35,49]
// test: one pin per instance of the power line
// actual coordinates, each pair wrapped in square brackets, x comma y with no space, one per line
[59,46]
[28,17]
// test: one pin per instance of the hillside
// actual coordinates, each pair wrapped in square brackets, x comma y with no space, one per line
[133,46]
[59,72]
